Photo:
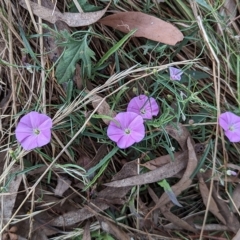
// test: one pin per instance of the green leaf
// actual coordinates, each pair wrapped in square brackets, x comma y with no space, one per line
[86,7]
[204,4]
[28,46]
[103,161]
[196,75]
[164,184]
[75,51]
[114,48]
[167,189]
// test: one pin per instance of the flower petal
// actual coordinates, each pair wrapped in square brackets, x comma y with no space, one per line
[29,142]
[175,73]
[123,119]
[114,132]
[137,121]
[143,102]
[43,138]
[138,135]
[45,122]
[228,119]
[125,141]
[32,119]
[233,136]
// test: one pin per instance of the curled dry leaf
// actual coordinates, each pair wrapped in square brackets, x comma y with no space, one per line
[185,181]
[166,171]
[62,186]
[213,208]
[9,199]
[160,161]
[101,152]
[237,236]
[236,198]
[71,19]
[113,229]
[180,133]
[183,184]
[86,233]
[176,220]
[147,26]
[231,220]
[229,8]
[102,106]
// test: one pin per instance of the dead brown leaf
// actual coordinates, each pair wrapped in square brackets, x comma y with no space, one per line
[103,109]
[53,50]
[8,199]
[86,233]
[183,184]
[62,185]
[71,19]
[180,133]
[213,208]
[185,181]
[166,171]
[229,8]
[237,236]
[231,220]
[147,26]
[113,229]
[96,205]
[39,235]
[160,161]
[176,220]
[87,163]
[236,198]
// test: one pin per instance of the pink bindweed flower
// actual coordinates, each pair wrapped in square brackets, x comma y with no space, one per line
[34,130]
[231,173]
[231,126]
[175,73]
[144,106]
[126,129]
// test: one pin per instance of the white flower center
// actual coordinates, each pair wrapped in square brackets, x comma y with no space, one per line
[143,111]
[36,131]
[231,128]
[127,131]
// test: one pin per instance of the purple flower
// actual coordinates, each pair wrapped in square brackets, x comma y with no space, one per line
[231,173]
[34,130]
[231,126]
[126,129]
[175,73]
[143,106]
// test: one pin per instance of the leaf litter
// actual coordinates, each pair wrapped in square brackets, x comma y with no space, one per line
[57,212]
[98,204]
[8,198]
[71,19]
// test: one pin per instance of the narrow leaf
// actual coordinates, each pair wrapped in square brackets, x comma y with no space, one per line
[167,189]
[115,48]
